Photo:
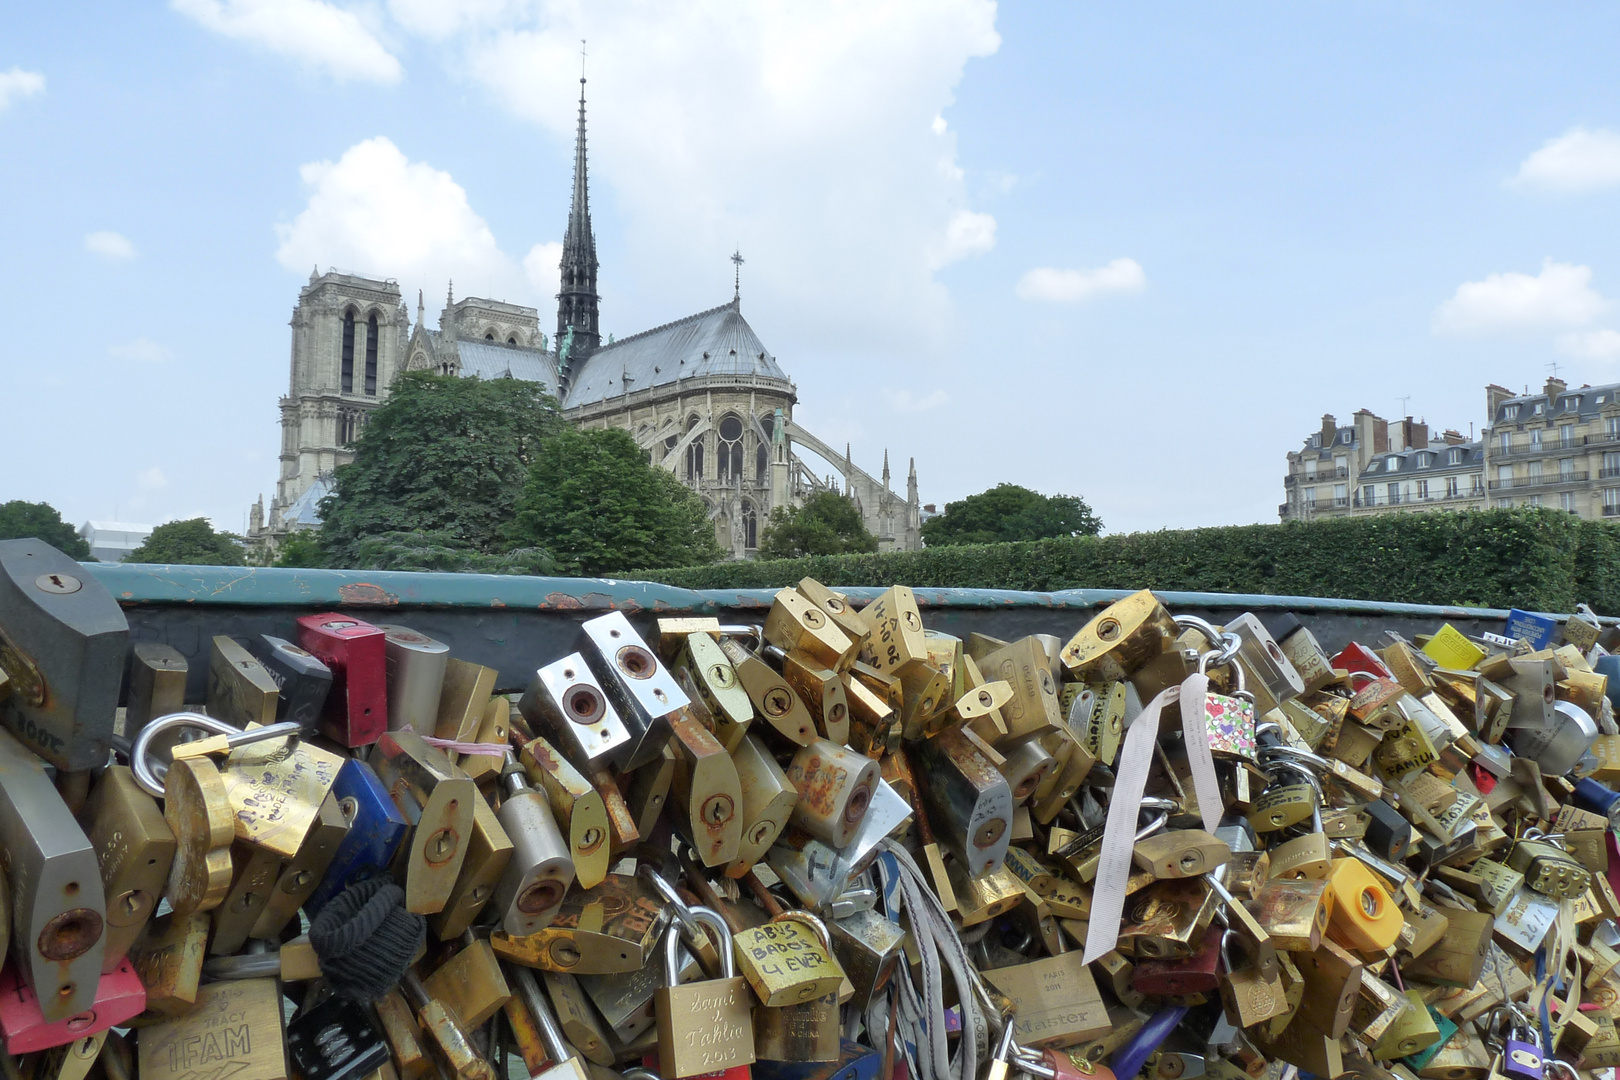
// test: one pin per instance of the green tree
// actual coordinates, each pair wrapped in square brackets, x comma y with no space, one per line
[192,542]
[1010,512]
[301,550]
[21,520]
[827,524]
[594,502]
[443,553]
[443,455]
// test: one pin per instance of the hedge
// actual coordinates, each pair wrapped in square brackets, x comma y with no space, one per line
[1537,559]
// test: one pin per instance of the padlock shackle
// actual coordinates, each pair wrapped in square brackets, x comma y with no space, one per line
[150,774]
[748,630]
[545,1020]
[673,903]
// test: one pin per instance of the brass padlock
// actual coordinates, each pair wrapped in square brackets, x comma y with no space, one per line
[446,1037]
[234,1028]
[607,929]
[774,700]
[768,799]
[1033,707]
[135,849]
[577,1018]
[1120,639]
[240,691]
[796,624]
[463,696]
[157,685]
[785,960]
[169,960]
[1181,853]
[822,691]
[404,1037]
[253,875]
[716,682]
[895,631]
[1056,999]
[703,1027]
[470,983]
[965,798]
[706,790]
[1294,912]
[437,800]
[565,1065]
[868,948]
[1549,870]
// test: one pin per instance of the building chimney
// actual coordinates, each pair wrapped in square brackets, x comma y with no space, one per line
[929,507]
[1494,396]
[1555,387]
[1453,437]
[1330,428]
[1420,433]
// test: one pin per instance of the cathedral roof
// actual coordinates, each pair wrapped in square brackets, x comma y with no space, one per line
[714,342]
[487,360]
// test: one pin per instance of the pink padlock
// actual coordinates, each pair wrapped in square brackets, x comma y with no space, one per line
[119,996]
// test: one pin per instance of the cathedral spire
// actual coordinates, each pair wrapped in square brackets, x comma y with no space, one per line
[577,300]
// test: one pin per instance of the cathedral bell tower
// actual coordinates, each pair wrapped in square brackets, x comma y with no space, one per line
[577,302]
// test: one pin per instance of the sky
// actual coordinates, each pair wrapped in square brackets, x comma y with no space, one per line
[1126,252]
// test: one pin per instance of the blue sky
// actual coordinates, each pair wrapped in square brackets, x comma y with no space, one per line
[1131,252]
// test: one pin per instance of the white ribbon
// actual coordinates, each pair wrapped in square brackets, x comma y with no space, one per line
[1130,781]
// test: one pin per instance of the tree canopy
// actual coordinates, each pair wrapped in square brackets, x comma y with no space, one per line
[595,503]
[827,524]
[443,455]
[1010,512]
[192,542]
[21,520]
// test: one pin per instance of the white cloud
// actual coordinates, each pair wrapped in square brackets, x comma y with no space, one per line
[967,233]
[1591,344]
[151,479]
[811,135]
[541,266]
[375,212]
[438,19]
[1579,161]
[1073,286]
[319,34]
[17,84]
[144,350]
[905,401]
[1559,297]
[109,245]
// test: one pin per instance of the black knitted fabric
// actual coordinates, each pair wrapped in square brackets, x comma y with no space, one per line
[365,939]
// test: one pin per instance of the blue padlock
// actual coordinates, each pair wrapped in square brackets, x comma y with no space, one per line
[376,829]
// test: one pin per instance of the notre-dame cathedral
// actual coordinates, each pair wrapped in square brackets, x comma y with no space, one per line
[701,394]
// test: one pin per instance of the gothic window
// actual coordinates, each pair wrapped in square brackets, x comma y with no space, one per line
[768,422]
[694,455]
[489,335]
[345,426]
[762,460]
[348,352]
[371,356]
[511,341]
[731,455]
[750,521]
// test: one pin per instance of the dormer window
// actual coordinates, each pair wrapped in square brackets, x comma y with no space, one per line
[1425,460]
[1392,464]
[1537,409]
[1372,466]
[1454,457]
[1510,413]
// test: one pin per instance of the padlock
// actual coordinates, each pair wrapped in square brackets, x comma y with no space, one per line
[1168,918]
[72,1060]
[539,871]
[404,1037]
[1364,916]
[800,1030]
[1332,980]
[1557,747]
[706,793]
[1026,764]
[240,691]
[134,848]
[1272,677]
[835,787]
[62,642]
[118,997]
[648,789]
[1180,853]
[1304,652]
[579,809]
[489,853]
[1250,994]
[356,710]
[797,624]
[1378,1007]
[715,680]
[822,692]
[608,929]
[870,716]
[495,729]
[565,704]
[414,667]
[168,959]
[1033,708]
[1120,639]
[436,800]
[786,961]
[565,1065]
[376,830]
[1179,976]
[868,947]
[773,699]
[1413,1032]
[463,697]
[577,1018]
[1521,1051]
[1056,1000]
[965,797]
[254,872]
[157,684]
[1495,884]
[335,1039]
[767,801]
[303,682]
[625,1001]
[301,874]
[57,904]
[639,687]
[703,1027]
[470,984]
[235,1027]
[895,631]
[446,1038]
[1548,869]
[1283,805]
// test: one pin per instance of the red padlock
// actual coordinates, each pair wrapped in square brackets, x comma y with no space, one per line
[736,1072]
[356,711]
[119,996]
[1178,976]
[1357,657]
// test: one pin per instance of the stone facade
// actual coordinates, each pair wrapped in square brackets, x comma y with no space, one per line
[702,395]
[1373,466]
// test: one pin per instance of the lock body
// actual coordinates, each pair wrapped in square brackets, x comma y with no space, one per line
[640,688]
[489,854]
[436,800]
[134,848]
[303,682]
[539,871]
[835,787]
[376,830]
[356,711]
[965,797]
[413,671]
[767,801]
[706,791]
[580,811]
[157,684]
[240,691]
[463,697]
[716,682]
[565,703]
[235,1025]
